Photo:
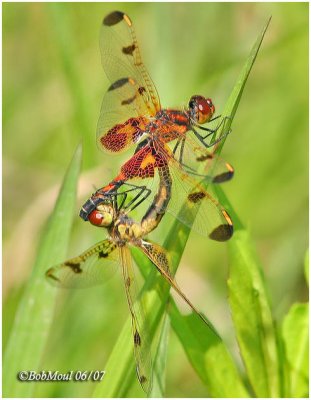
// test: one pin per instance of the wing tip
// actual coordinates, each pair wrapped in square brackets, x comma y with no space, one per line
[224,177]
[222,233]
[113,18]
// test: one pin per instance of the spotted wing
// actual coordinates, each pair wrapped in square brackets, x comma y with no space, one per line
[200,162]
[141,336]
[94,266]
[196,207]
[131,98]
[189,201]
[159,258]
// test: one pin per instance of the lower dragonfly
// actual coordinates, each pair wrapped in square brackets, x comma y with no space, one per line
[91,266]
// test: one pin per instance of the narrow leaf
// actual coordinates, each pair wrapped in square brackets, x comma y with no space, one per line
[159,369]
[208,355]
[295,334]
[236,94]
[35,312]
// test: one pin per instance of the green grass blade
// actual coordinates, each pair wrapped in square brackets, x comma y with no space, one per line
[35,312]
[247,293]
[159,368]
[295,334]
[236,94]
[208,355]
[206,352]
[251,311]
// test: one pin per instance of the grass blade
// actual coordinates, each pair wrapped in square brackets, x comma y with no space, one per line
[251,311]
[208,355]
[247,293]
[34,316]
[295,334]
[236,94]
[206,352]
[159,369]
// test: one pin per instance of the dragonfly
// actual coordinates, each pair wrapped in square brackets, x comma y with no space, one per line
[131,114]
[97,263]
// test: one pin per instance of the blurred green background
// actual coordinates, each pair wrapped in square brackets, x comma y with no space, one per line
[53,85]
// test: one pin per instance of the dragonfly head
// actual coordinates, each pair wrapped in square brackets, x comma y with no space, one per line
[103,215]
[201,109]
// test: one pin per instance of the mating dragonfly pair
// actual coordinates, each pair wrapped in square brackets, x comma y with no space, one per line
[168,171]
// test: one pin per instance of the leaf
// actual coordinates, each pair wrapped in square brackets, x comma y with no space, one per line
[35,312]
[159,368]
[247,293]
[237,91]
[295,334]
[252,316]
[208,355]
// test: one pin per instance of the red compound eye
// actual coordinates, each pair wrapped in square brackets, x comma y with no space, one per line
[96,218]
[204,108]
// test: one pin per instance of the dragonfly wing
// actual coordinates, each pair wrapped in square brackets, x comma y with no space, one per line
[131,98]
[201,163]
[95,266]
[141,335]
[194,206]
[159,258]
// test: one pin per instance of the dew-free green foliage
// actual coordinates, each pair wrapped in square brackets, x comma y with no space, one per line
[51,99]
[35,311]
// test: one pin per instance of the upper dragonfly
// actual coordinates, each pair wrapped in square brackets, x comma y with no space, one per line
[131,110]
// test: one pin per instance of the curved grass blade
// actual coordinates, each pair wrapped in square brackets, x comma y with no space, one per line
[35,312]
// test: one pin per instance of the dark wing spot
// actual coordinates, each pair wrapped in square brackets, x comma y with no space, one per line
[74,266]
[113,18]
[101,254]
[222,233]
[129,49]
[128,282]
[137,340]
[195,197]
[225,176]
[204,157]
[119,83]
[128,101]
